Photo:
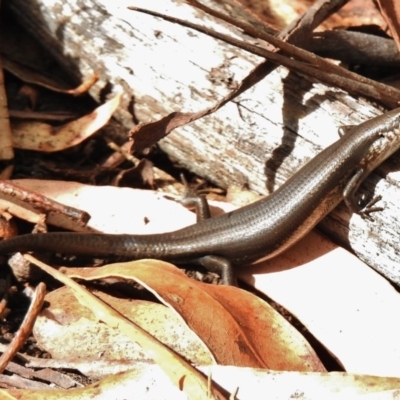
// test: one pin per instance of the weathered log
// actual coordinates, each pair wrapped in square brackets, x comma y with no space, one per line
[259,140]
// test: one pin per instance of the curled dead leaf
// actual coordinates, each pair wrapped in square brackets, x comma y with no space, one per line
[238,327]
[39,136]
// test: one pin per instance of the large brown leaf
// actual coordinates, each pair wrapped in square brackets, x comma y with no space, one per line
[238,327]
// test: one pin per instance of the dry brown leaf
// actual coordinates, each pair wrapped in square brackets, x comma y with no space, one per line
[70,332]
[238,327]
[181,373]
[39,136]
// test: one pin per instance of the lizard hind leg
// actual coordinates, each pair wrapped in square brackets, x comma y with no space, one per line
[221,266]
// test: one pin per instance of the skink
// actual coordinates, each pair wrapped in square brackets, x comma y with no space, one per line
[262,229]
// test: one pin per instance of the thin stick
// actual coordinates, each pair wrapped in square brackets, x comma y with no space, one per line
[26,327]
